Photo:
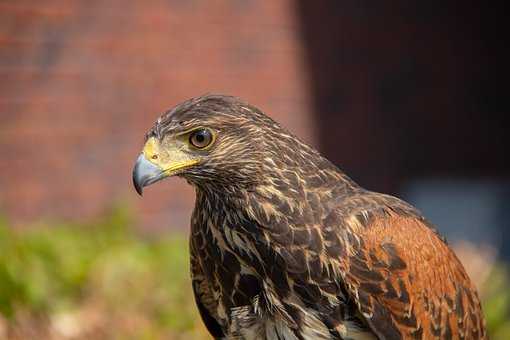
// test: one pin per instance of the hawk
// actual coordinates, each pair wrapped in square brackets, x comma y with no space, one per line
[284,245]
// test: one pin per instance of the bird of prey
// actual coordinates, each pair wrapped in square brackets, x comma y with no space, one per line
[285,246]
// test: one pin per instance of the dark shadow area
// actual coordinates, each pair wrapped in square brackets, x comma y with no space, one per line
[408,89]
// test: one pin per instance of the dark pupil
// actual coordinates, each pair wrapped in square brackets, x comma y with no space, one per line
[200,138]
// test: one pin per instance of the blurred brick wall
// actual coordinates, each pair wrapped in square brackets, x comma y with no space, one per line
[81,81]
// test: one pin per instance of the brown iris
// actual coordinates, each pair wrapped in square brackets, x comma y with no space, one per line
[201,138]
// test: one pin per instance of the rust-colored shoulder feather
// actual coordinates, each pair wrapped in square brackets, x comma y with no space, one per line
[406,280]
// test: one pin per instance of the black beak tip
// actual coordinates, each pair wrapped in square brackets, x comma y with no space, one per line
[137,183]
[138,186]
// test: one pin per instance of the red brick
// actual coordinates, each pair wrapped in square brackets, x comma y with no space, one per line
[82,82]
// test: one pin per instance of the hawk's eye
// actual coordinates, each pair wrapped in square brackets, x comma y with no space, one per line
[201,138]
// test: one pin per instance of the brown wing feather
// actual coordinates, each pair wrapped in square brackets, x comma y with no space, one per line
[408,283]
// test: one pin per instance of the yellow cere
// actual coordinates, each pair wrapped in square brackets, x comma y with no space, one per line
[171,161]
[150,149]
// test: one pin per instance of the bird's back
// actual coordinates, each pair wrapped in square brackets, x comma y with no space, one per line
[403,277]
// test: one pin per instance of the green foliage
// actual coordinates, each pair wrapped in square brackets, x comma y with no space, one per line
[102,280]
[100,274]
[496,302]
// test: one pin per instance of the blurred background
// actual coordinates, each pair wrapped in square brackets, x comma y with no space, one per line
[407,97]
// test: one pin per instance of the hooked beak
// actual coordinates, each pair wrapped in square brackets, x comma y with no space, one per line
[146,173]
[154,163]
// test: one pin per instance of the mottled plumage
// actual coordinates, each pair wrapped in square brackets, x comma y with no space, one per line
[285,246]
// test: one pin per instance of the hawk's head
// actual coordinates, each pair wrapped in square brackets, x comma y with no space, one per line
[211,141]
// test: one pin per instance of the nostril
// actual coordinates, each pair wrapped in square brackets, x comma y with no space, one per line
[154,157]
